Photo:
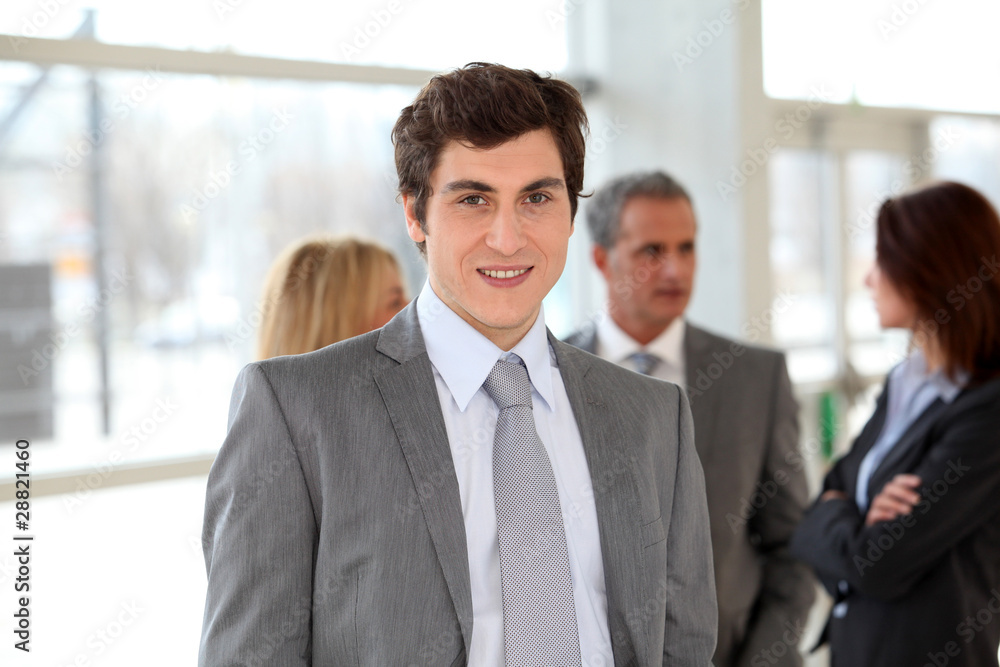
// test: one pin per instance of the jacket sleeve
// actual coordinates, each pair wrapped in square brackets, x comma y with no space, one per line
[259,537]
[788,587]
[960,472]
[692,615]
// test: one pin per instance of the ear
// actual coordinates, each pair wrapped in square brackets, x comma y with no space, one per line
[600,256]
[412,224]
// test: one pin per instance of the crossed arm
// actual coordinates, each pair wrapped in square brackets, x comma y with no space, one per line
[914,520]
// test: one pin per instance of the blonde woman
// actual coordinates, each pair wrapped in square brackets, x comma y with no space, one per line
[322,290]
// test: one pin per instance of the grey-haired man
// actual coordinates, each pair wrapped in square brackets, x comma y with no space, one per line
[746,419]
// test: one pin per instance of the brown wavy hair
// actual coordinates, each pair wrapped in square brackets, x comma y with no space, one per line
[485,105]
[319,291]
[939,247]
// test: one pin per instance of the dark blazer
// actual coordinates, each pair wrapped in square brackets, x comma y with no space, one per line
[746,433]
[334,532]
[916,588]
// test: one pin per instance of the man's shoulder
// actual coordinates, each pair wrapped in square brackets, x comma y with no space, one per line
[340,361]
[609,375]
[701,339]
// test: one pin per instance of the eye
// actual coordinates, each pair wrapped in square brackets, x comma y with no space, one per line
[537,198]
[475,200]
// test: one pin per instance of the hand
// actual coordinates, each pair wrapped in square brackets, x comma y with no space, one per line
[833,494]
[896,498]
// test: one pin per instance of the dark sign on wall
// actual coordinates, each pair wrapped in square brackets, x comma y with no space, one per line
[28,351]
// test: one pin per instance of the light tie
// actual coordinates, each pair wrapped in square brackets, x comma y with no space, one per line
[539,614]
[644,362]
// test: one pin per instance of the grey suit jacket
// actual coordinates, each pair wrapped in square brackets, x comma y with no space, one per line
[333,527]
[746,435]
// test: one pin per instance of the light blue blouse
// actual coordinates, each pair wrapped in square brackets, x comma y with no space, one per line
[911,390]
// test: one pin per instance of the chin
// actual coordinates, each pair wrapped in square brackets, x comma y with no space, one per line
[502,320]
[666,318]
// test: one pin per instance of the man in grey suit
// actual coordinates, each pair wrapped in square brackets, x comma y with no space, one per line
[394,499]
[746,425]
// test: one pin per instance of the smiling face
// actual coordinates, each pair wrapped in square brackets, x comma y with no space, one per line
[650,268]
[497,228]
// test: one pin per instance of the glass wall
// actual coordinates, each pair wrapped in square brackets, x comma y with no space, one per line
[424,34]
[885,53]
[200,182]
[154,202]
[139,212]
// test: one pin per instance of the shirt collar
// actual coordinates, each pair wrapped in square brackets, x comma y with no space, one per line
[464,357]
[616,345]
[913,370]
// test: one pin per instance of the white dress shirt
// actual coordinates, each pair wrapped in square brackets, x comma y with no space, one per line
[462,358]
[617,346]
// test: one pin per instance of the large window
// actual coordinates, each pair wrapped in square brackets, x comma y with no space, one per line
[887,53]
[421,34]
[202,181]
[902,104]
[152,202]
[140,207]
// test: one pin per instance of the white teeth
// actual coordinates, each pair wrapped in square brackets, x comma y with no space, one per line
[503,274]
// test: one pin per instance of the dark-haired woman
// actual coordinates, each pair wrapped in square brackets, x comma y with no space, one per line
[906,532]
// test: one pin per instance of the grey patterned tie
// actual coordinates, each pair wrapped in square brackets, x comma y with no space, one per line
[539,615]
[645,362]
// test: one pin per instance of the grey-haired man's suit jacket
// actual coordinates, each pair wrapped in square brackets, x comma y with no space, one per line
[334,533]
[746,433]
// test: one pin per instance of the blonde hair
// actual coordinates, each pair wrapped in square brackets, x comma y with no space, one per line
[319,291]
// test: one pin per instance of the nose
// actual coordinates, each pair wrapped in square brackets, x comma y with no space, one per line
[870,276]
[506,233]
[669,265]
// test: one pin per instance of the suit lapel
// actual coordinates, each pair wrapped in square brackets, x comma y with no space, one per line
[862,444]
[616,500]
[702,394]
[893,462]
[412,403]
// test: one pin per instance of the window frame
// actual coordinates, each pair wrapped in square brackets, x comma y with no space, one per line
[93,55]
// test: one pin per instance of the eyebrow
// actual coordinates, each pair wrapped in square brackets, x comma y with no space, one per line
[466,184]
[470,184]
[544,183]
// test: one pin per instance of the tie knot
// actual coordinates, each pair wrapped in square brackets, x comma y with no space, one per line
[508,385]
[644,362]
